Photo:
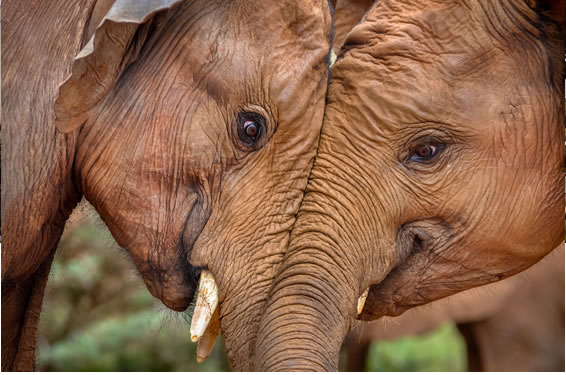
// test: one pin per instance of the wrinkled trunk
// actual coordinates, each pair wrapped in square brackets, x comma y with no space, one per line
[304,333]
[325,270]
[313,299]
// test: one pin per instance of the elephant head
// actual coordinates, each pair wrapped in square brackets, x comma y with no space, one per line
[196,125]
[440,168]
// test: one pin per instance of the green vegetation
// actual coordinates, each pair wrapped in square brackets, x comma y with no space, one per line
[99,316]
[440,350]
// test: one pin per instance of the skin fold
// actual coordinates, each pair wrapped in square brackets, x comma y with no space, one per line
[147,125]
[347,14]
[439,169]
[496,321]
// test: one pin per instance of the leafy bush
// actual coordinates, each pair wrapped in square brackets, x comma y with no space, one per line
[440,350]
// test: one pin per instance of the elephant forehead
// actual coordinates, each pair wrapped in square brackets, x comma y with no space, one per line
[426,58]
[382,97]
[232,58]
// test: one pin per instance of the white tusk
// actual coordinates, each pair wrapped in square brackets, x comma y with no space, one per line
[362,301]
[332,58]
[206,342]
[207,300]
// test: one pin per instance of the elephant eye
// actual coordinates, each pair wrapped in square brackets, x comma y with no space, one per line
[251,127]
[425,152]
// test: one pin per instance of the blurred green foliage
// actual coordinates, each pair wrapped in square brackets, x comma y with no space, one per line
[99,316]
[440,350]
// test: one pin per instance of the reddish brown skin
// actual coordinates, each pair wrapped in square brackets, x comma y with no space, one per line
[347,14]
[483,81]
[513,325]
[159,155]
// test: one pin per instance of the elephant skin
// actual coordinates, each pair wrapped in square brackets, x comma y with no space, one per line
[440,168]
[143,107]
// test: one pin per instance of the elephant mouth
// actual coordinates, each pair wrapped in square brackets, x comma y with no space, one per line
[175,282]
[425,237]
[197,218]
[412,238]
[199,281]
[179,298]
[417,244]
[175,286]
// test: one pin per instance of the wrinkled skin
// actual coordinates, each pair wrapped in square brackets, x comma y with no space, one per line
[348,13]
[150,134]
[440,168]
[496,320]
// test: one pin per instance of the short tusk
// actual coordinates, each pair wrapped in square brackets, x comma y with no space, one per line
[207,300]
[332,58]
[206,342]
[362,301]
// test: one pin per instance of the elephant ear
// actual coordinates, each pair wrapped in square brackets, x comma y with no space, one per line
[99,64]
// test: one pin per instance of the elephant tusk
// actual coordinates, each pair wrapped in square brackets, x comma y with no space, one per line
[362,301]
[332,58]
[206,342]
[207,300]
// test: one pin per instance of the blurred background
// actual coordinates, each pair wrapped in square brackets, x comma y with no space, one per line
[99,316]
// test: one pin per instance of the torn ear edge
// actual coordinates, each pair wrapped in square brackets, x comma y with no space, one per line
[99,64]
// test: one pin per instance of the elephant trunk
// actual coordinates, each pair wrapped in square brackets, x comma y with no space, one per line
[313,300]
[332,255]
[303,328]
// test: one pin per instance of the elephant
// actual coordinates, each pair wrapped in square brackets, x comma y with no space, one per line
[496,322]
[347,14]
[190,126]
[440,168]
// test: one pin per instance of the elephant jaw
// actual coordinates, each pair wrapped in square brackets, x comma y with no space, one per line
[176,292]
[205,324]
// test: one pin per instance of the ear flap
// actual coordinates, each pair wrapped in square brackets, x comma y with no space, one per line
[99,64]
